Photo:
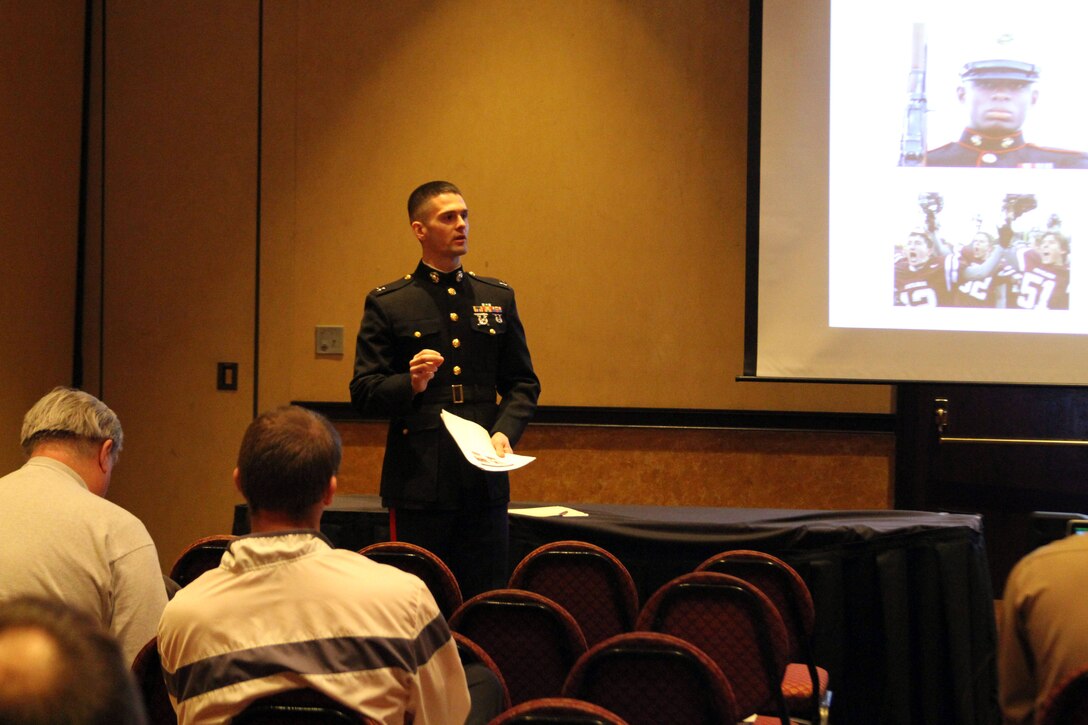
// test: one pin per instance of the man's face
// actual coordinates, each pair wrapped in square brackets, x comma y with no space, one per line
[997,106]
[980,246]
[918,251]
[1050,250]
[442,230]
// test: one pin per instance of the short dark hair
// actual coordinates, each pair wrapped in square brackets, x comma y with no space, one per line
[425,193]
[286,460]
[926,237]
[82,679]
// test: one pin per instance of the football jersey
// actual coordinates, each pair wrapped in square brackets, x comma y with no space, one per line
[1042,286]
[926,286]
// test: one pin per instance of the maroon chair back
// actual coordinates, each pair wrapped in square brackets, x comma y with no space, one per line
[533,640]
[424,564]
[558,711]
[301,706]
[470,652]
[1067,703]
[587,581]
[804,685]
[649,678]
[147,671]
[200,556]
[736,625]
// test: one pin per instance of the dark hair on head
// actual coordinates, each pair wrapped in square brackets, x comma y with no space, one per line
[424,193]
[925,237]
[82,679]
[286,460]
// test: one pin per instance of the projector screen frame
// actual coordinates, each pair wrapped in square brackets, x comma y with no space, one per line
[906,339]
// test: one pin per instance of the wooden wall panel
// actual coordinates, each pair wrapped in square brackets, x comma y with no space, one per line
[674,467]
[180,248]
[41,69]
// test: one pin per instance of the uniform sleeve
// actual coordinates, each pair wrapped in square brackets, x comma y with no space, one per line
[517,383]
[139,596]
[439,691]
[377,387]
[1016,683]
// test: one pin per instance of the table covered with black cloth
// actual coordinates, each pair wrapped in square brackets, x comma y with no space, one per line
[904,606]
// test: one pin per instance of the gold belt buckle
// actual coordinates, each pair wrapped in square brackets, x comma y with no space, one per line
[458,393]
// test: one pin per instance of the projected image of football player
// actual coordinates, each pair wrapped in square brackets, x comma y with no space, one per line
[997,91]
[1044,283]
[921,272]
[985,292]
[971,290]
[1040,260]
[927,271]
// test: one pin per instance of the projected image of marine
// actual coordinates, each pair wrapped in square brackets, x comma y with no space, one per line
[998,90]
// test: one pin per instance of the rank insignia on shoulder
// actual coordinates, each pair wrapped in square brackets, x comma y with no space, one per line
[394,285]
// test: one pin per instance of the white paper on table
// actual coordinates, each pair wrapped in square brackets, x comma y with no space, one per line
[543,512]
[475,442]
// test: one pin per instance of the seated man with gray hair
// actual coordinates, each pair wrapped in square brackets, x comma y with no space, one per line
[60,539]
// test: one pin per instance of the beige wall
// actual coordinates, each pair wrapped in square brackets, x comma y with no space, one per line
[41,65]
[601,145]
[180,255]
[602,149]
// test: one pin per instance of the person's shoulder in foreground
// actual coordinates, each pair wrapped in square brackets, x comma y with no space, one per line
[58,665]
[1040,643]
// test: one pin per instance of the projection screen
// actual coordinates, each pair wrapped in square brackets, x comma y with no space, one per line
[922,179]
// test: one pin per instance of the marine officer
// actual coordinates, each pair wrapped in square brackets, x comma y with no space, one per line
[443,338]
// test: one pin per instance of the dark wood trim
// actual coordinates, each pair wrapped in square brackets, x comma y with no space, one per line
[671,418]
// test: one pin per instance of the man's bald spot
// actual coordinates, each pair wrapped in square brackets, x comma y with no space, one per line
[30,662]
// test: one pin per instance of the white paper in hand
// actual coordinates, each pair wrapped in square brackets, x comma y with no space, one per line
[475,442]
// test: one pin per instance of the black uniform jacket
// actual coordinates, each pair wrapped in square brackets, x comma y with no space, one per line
[975,149]
[487,377]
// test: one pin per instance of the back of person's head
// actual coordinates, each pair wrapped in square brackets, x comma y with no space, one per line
[287,458]
[59,666]
[425,192]
[71,417]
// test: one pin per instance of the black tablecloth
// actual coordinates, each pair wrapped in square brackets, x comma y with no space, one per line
[904,606]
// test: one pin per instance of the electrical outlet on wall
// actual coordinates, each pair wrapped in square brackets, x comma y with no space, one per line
[329,339]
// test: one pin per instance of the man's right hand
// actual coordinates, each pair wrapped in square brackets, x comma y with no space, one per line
[422,368]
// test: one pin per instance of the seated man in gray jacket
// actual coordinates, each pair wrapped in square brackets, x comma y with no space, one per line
[60,539]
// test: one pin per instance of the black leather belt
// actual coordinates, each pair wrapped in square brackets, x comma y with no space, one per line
[458,394]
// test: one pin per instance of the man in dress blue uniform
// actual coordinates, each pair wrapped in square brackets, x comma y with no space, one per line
[998,90]
[442,338]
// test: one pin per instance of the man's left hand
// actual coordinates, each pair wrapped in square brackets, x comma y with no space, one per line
[501,444]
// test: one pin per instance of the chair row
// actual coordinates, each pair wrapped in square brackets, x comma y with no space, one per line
[736,602]
[598,594]
[638,678]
